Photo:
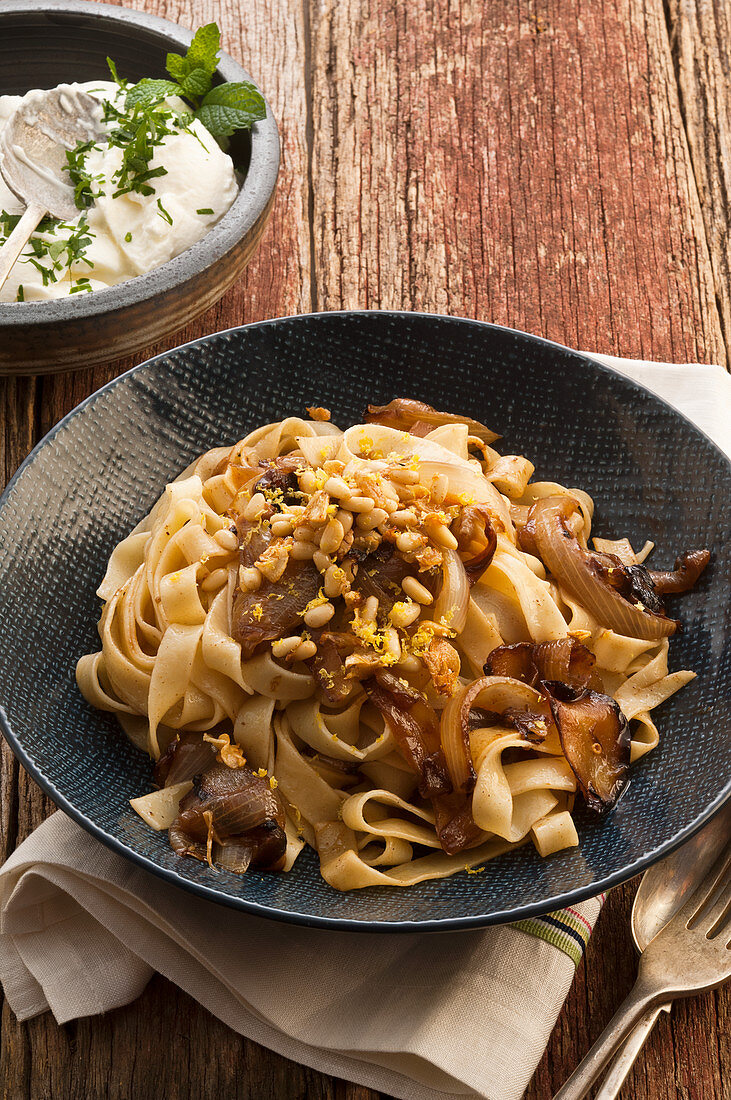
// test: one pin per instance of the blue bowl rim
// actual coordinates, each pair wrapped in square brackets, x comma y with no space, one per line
[339,924]
[248,206]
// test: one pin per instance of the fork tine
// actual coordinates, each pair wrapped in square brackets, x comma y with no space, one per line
[694,910]
[715,916]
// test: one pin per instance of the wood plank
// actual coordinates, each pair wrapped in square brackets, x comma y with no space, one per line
[699,36]
[523,163]
[130,1053]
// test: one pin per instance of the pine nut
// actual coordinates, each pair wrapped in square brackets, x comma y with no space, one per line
[442,536]
[255,507]
[332,536]
[250,578]
[350,568]
[410,663]
[440,488]
[281,528]
[226,539]
[282,647]
[417,591]
[359,504]
[337,488]
[409,541]
[305,533]
[404,614]
[367,521]
[302,551]
[214,580]
[335,581]
[406,494]
[308,481]
[369,610]
[318,616]
[404,517]
[391,643]
[304,651]
[403,475]
[322,561]
[346,519]
[390,504]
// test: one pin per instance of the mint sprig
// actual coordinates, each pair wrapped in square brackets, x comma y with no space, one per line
[222,109]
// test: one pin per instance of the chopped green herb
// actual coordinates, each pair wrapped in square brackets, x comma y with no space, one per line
[51,257]
[20,296]
[163,213]
[204,210]
[81,285]
[8,223]
[113,70]
[83,181]
[128,237]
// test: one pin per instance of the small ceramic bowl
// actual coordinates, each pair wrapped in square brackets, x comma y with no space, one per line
[47,42]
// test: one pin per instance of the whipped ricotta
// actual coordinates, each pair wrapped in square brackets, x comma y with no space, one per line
[119,237]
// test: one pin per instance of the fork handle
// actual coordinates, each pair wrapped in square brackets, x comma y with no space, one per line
[641,998]
[19,238]
[623,1062]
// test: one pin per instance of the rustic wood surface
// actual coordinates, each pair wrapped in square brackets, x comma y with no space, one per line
[558,166]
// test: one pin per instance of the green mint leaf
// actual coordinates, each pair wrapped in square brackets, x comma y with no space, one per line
[205,210]
[20,296]
[231,107]
[148,91]
[196,83]
[203,50]
[128,237]
[177,67]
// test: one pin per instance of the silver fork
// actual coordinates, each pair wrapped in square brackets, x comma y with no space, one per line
[690,954]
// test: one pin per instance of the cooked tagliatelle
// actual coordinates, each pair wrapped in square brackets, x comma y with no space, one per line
[386,642]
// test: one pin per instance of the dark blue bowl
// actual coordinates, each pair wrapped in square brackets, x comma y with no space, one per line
[652,475]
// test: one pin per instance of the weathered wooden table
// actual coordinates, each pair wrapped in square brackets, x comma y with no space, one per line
[555,165]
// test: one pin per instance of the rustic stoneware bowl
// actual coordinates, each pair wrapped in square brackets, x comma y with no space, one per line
[45,42]
[650,472]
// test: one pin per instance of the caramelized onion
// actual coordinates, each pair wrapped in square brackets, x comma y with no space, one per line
[454,823]
[477,539]
[588,576]
[415,727]
[186,756]
[453,600]
[328,669]
[565,659]
[279,473]
[595,739]
[274,609]
[404,414]
[230,803]
[688,568]
[454,730]
[380,574]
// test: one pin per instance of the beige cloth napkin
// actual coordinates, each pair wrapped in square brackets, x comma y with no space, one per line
[423,1017]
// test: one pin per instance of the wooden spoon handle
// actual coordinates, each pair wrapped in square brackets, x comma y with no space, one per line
[18,239]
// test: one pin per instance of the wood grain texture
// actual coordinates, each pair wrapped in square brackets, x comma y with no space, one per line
[522,162]
[699,37]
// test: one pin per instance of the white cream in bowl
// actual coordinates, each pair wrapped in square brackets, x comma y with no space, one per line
[119,237]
